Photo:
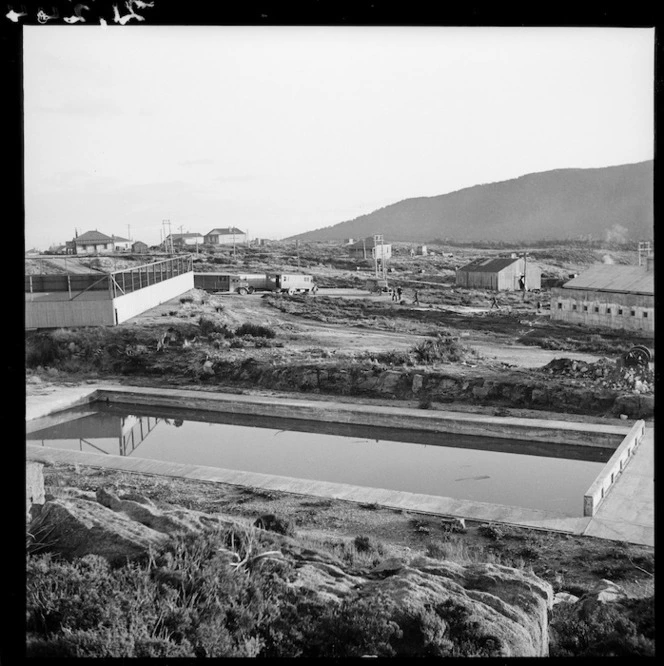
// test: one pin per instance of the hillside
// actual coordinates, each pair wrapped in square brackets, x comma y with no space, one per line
[610,203]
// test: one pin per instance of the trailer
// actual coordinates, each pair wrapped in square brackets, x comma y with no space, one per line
[248,283]
[223,283]
[291,283]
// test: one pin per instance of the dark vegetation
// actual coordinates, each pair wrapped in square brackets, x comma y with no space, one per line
[187,602]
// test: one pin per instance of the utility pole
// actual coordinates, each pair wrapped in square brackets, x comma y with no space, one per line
[297,247]
[378,238]
[128,232]
[525,283]
[644,250]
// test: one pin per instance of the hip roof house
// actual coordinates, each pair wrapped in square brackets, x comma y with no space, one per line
[227,236]
[95,242]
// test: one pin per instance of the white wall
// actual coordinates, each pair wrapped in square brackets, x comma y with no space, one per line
[95,308]
[138,301]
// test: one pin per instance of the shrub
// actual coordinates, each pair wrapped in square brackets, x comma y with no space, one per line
[356,628]
[42,350]
[276,524]
[255,330]
[610,629]
[493,532]
[210,327]
[392,357]
[363,544]
[440,349]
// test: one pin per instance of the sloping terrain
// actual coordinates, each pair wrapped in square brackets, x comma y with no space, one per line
[610,203]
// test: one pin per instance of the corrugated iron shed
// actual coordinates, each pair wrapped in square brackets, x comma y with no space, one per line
[611,277]
[489,265]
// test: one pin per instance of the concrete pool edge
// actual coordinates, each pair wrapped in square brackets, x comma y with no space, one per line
[626,514]
[462,423]
[392,499]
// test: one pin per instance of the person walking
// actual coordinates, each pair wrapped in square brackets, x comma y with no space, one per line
[417,297]
[399,293]
[494,303]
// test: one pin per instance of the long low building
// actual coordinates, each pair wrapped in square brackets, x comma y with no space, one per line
[611,296]
[94,299]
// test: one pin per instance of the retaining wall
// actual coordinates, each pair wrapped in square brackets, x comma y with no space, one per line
[613,468]
[535,430]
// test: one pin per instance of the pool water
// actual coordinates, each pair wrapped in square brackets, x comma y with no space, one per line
[551,477]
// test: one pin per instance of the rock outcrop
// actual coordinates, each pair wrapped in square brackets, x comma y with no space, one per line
[508,606]
[504,608]
[117,529]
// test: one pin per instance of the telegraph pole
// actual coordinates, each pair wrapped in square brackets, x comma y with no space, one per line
[525,283]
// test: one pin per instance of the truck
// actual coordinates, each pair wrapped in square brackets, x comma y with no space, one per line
[248,283]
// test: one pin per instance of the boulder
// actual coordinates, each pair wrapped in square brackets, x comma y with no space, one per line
[510,606]
[141,510]
[389,381]
[76,527]
[564,598]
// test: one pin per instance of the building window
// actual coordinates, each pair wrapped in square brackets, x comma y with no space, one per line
[574,307]
[608,310]
[645,315]
[619,311]
[560,306]
[585,308]
[633,313]
[597,308]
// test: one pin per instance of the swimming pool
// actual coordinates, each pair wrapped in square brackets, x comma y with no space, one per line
[483,469]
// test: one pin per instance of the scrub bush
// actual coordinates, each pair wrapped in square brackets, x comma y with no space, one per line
[42,349]
[212,328]
[445,349]
[609,629]
[255,330]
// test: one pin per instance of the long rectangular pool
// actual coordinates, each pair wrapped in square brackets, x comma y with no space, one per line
[546,476]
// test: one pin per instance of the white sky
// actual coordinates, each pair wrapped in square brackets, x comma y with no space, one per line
[284,130]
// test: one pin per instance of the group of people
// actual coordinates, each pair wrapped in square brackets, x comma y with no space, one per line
[396,292]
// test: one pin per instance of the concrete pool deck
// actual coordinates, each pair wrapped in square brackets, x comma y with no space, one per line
[626,513]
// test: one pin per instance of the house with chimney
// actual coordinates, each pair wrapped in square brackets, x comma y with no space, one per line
[96,242]
[226,236]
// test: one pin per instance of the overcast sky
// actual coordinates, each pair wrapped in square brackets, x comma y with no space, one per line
[284,130]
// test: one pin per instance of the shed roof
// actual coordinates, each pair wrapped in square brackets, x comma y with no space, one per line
[612,277]
[228,231]
[92,237]
[187,235]
[494,265]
